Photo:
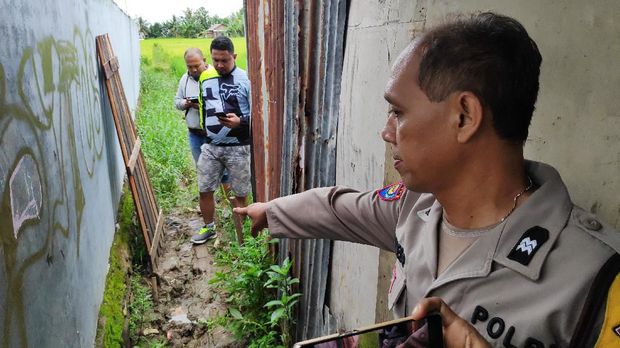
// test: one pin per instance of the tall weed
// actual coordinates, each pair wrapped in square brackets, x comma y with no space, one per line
[259,294]
[282,308]
[164,140]
[140,307]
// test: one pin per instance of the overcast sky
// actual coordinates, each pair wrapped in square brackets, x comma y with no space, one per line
[162,10]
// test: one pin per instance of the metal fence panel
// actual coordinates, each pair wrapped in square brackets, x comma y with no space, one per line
[295,56]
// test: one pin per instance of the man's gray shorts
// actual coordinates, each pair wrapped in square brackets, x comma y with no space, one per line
[212,161]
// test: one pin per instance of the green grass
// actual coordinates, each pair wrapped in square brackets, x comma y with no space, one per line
[165,145]
[166,54]
[140,309]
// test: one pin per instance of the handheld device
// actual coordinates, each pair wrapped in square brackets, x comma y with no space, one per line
[193,100]
[221,114]
[404,332]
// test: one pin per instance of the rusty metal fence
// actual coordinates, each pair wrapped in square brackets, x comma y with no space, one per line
[295,58]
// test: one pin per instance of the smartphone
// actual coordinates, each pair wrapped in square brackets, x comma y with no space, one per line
[401,333]
[193,100]
[221,115]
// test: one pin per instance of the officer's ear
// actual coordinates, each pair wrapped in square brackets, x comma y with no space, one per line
[468,115]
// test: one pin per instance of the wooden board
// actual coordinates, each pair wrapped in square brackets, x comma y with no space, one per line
[149,215]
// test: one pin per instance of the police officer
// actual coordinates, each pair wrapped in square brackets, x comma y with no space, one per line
[494,236]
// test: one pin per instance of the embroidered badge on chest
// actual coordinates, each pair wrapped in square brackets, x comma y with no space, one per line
[391,192]
[529,243]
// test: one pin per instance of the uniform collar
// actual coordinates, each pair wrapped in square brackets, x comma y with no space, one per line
[549,207]
[475,261]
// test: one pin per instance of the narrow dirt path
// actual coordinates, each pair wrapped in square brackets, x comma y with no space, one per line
[185,300]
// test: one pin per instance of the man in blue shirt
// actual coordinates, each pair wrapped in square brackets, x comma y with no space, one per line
[225,115]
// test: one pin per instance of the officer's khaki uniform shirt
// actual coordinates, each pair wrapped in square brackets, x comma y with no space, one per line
[518,285]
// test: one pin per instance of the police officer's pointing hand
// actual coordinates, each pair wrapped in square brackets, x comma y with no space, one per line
[257,212]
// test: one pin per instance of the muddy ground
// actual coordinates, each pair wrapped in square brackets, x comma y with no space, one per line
[185,300]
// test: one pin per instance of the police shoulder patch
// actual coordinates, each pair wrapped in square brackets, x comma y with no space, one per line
[391,192]
[525,249]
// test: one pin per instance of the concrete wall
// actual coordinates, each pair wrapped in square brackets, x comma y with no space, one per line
[60,167]
[576,126]
[373,43]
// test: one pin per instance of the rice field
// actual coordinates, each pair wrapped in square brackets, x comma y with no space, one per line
[168,53]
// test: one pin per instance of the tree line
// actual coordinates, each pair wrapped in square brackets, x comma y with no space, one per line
[193,23]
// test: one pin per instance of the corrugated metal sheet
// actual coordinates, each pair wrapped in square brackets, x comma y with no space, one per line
[265,41]
[295,56]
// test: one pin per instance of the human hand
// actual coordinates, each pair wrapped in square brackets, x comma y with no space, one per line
[257,212]
[457,333]
[189,104]
[231,120]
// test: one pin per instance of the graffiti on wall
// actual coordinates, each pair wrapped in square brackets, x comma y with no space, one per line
[51,137]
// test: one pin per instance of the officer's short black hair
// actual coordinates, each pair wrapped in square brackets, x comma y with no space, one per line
[491,56]
[222,43]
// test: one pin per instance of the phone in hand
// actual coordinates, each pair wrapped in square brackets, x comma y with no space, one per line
[404,332]
[193,100]
[221,115]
